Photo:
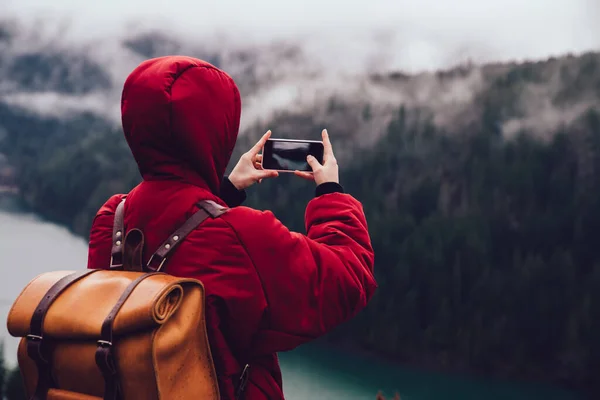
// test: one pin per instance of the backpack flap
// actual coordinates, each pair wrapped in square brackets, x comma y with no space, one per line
[79,311]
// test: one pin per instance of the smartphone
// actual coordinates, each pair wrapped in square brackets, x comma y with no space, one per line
[288,155]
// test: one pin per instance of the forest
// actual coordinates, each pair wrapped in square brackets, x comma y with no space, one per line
[11,386]
[485,245]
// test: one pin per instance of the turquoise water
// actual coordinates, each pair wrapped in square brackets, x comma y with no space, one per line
[338,375]
[30,246]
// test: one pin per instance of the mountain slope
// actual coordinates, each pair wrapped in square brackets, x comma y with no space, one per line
[56,77]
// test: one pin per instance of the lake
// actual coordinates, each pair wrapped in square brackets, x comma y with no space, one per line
[30,246]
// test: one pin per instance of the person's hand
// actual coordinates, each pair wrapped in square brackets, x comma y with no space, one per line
[328,172]
[249,170]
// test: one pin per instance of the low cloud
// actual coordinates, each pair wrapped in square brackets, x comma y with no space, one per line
[407,35]
[297,54]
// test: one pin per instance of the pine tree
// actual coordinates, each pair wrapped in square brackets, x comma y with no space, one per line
[2,369]
[14,389]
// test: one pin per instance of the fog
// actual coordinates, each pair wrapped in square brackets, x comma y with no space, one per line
[334,46]
[390,34]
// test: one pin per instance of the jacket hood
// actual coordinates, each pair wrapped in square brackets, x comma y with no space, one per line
[181,118]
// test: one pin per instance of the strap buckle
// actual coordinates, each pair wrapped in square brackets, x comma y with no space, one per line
[34,348]
[104,358]
[114,266]
[159,265]
[243,381]
[34,337]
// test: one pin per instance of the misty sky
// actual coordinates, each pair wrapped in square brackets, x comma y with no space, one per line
[429,33]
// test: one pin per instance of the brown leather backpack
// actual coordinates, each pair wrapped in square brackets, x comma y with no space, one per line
[130,332]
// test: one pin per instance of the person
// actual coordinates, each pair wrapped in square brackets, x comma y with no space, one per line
[268,289]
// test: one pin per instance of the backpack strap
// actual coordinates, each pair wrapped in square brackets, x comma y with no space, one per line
[35,339]
[105,358]
[116,257]
[208,208]
[133,251]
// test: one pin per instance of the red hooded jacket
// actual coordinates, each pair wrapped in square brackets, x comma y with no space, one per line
[267,289]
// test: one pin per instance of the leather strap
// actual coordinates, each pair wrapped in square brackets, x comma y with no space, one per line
[104,352]
[208,208]
[35,339]
[212,208]
[116,258]
[133,248]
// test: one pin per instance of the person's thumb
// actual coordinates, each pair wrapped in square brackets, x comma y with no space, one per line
[314,164]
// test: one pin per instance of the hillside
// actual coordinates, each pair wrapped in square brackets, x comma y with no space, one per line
[481,186]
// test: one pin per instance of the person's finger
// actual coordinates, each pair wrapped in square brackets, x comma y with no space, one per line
[266,173]
[314,164]
[257,161]
[306,175]
[259,175]
[260,144]
[327,148]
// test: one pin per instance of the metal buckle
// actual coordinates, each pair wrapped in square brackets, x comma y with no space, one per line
[243,381]
[159,265]
[104,358]
[34,348]
[114,266]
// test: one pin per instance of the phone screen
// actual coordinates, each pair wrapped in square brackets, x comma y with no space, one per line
[290,155]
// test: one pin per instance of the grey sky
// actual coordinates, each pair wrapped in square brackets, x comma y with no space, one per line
[429,33]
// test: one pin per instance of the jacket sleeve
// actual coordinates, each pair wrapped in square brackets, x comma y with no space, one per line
[312,282]
[100,243]
[230,194]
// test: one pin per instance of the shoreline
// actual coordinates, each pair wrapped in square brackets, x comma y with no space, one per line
[9,190]
[426,363]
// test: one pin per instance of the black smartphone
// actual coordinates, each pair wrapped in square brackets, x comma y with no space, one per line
[288,155]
